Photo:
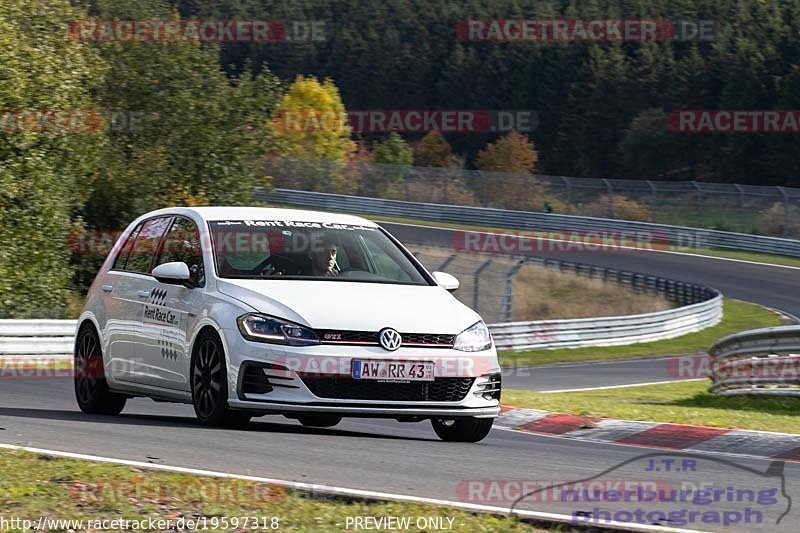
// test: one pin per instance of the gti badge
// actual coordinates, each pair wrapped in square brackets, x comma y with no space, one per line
[390,339]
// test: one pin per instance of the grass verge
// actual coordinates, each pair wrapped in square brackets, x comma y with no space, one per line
[737,316]
[685,402]
[34,486]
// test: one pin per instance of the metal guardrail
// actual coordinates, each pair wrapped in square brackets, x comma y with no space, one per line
[758,209]
[32,337]
[701,307]
[527,220]
[757,362]
[37,337]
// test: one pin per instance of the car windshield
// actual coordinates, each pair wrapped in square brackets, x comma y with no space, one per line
[274,249]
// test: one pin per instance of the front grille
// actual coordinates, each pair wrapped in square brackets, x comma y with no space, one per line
[347,388]
[427,338]
[341,336]
[331,336]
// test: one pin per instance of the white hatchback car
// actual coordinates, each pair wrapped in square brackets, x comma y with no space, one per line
[252,311]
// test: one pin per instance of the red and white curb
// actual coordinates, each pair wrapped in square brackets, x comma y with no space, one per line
[760,444]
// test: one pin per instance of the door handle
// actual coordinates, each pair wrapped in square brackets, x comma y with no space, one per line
[107,288]
[143,294]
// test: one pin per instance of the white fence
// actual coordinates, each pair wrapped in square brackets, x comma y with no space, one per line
[608,331]
[56,337]
[37,337]
[762,362]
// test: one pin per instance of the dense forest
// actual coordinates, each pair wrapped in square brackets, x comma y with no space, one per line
[603,107]
[203,119]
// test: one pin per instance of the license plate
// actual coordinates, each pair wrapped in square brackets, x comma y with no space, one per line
[393,370]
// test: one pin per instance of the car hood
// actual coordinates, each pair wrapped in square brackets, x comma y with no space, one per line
[355,306]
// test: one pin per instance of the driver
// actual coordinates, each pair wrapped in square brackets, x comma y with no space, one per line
[323,257]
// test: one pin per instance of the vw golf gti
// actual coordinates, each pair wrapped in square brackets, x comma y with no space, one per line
[245,311]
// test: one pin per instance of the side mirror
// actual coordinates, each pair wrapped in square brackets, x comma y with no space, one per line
[445,280]
[175,273]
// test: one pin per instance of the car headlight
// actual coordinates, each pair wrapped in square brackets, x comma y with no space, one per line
[263,328]
[474,339]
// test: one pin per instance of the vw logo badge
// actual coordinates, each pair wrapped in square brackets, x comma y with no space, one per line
[390,339]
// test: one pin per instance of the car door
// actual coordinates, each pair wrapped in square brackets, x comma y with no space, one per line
[121,313]
[136,282]
[171,310]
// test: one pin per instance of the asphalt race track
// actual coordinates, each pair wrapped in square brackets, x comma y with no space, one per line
[388,456]
[772,286]
[568,376]
[382,456]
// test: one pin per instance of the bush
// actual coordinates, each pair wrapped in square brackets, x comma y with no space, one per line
[772,221]
[623,208]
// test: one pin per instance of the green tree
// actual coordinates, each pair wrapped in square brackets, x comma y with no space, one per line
[392,151]
[648,150]
[393,155]
[44,174]
[200,134]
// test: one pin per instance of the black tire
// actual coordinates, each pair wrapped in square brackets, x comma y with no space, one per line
[462,429]
[210,385]
[91,388]
[319,421]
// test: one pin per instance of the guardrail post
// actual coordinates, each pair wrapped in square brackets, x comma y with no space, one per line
[475,288]
[484,188]
[610,194]
[698,204]
[446,262]
[742,224]
[653,193]
[785,211]
[568,183]
[507,307]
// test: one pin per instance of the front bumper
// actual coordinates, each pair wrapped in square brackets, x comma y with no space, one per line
[289,369]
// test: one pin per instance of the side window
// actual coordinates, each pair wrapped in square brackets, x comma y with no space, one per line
[125,249]
[182,243]
[146,245]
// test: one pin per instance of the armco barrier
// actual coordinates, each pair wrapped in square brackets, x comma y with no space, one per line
[37,337]
[607,331]
[757,362]
[54,337]
[700,307]
[526,220]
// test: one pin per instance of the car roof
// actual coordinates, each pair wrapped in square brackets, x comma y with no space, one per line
[218,213]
